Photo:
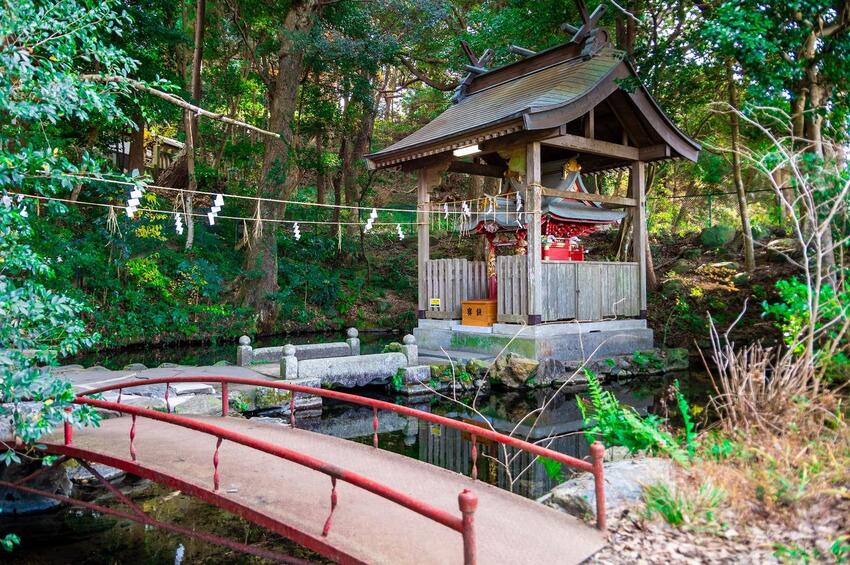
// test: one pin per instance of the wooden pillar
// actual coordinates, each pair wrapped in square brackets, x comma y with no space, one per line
[423,252]
[535,247]
[637,180]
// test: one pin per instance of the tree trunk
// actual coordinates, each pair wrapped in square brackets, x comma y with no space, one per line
[188,202]
[192,135]
[279,173]
[321,173]
[136,157]
[746,229]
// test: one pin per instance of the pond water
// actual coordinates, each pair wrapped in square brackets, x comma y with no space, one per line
[71,535]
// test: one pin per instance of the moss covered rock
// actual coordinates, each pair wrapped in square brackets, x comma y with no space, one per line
[513,371]
[717,236]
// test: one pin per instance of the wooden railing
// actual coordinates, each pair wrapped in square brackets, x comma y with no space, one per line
[452,281]
[572,290]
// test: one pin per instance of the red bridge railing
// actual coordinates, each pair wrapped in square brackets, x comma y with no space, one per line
[467,500]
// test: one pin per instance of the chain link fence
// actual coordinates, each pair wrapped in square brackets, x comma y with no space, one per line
[693,212]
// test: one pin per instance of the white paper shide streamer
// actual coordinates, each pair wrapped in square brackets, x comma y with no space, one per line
[373,215]
[400,232]
[133,201]
[296,231]
[218,202]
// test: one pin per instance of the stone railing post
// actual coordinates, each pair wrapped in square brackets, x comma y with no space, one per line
[353,341]
[410,350]
[244,352]
[288,363]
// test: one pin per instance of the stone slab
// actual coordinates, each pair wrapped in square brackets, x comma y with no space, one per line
[191,388]
[355,370]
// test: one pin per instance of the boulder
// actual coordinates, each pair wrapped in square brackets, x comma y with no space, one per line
[741,279]
[135,367]
[779,249]
[222,363]
[624,482]
[727,265]
[270,398]
[513,371]
[672,286]
[680,266]
[197,404]
[691,253]
[717,236]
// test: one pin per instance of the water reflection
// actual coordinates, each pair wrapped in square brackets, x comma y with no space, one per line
[558,427]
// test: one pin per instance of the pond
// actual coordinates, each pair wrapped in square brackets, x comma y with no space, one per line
[71,535]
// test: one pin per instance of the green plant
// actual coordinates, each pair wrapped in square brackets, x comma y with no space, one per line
[604,417]
[554,469]
[683,507]
[9,541]
[397,382]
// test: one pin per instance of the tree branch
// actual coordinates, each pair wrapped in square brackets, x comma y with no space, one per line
[445,86]
[176,100]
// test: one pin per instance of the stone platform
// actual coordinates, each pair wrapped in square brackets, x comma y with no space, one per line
[565,342]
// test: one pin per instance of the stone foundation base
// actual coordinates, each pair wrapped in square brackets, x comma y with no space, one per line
[568,341]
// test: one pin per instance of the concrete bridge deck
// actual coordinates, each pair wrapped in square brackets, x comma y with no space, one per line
[510,529]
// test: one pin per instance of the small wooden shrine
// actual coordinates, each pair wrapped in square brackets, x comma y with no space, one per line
[540,124]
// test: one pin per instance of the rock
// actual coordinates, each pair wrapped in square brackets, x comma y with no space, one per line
[270,398]
[198,404]
[624,482]
[222,363]
[80,475]
[717,236]
[191,388]
[135,367]
[477,367]
[417,374]
[680,266]
[778,249]
[513,371]
[14,502]
[728,265]
[691,253]
[152,402]
[672,286]
[169,366]
[741,279]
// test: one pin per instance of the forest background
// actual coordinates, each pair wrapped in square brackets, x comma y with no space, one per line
[337,79]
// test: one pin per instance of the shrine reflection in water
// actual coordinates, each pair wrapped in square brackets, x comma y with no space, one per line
[559,428]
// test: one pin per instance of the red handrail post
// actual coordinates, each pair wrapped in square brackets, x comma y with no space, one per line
[225,400]
[69,429]
[468,502]
[597,455]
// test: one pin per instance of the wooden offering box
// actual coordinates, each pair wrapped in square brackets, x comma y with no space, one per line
[478,312]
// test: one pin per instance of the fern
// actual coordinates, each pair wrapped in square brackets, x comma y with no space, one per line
[605,418]
[690,435]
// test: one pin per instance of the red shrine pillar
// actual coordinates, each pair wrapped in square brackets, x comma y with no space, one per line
[491,266]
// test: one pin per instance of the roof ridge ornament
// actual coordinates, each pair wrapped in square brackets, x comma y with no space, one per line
[589,31]
[476,66]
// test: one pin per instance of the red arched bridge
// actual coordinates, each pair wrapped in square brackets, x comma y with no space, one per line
[346,501]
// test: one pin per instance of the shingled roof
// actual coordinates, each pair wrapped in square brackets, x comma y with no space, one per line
[544,91]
